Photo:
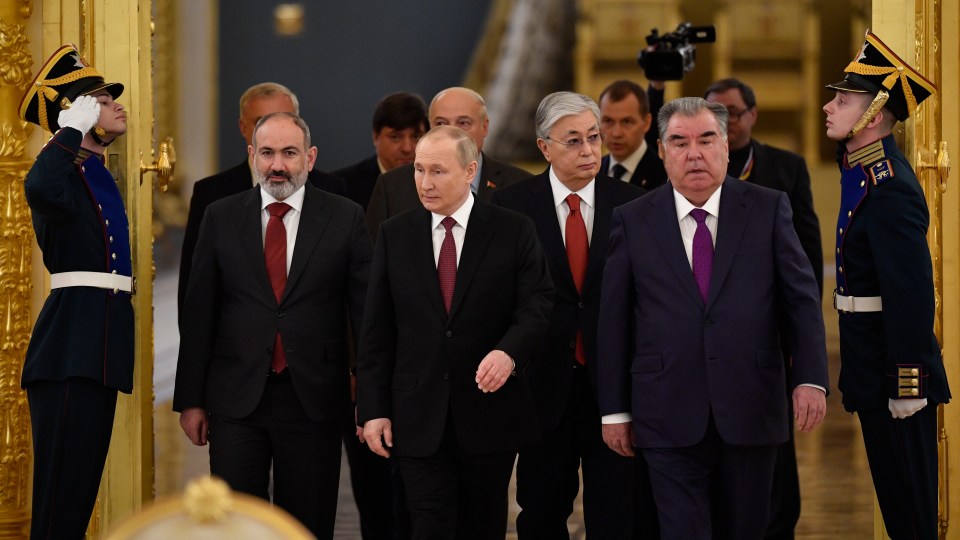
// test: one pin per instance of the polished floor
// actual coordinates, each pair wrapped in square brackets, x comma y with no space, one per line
[835,483]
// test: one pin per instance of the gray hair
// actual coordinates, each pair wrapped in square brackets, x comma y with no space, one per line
[560,104]
[466,148]
[299,122]
[691,106]
[469,92]
[268,89]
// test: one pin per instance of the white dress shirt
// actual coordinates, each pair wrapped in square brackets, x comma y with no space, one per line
[587,205]
[461,216]
[291,220]
[631,163]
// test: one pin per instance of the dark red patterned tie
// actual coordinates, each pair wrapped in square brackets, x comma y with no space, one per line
[447,263]
[275,254]
[577,249]
[702,252]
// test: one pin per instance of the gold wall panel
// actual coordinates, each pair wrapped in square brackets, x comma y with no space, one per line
[16,241]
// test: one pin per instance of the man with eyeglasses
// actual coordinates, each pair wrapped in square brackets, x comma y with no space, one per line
[571,206]
[785,171]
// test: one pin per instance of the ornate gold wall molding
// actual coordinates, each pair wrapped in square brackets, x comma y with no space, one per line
[16,241]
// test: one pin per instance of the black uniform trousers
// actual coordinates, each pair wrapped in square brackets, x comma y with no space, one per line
[617,501]
[72,422]
[457,495]
[305,455]
[903,462]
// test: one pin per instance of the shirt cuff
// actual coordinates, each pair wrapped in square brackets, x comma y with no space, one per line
[617,418]
[817,386]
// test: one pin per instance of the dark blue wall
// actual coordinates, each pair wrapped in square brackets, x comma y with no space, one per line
[349,55]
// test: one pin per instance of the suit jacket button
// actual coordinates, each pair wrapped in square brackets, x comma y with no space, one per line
[573,344]
[707,323]
[446,376]
[449,333]
[580,305]
[279,314]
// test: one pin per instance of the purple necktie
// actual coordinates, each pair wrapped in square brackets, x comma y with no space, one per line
[702,252]
[447,263]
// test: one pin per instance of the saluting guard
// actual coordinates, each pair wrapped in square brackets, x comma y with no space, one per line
[891,371]
[82,348]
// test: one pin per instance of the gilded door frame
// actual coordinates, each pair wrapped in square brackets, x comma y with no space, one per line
[929,42]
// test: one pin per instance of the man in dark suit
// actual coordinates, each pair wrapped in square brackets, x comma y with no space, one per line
[396,192]
[81,350]
[458,301]
[784,171]
[255,103]
[626,121]
[690,338]
[571,206]
[399,121]
[892,372]
[263,352]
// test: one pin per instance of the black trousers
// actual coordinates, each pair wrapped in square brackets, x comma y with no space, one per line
[457,495]
[712,490]
[377,489]
[72,422]
[903,462]
[617,500]
[304,454]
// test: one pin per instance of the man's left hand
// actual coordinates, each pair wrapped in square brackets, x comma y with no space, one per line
[494,370]
[809,407]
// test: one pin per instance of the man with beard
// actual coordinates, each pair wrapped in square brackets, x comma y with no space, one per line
[263,353]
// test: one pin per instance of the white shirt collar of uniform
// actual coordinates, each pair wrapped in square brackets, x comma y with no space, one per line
[712,206]
[587,193]
[461,216]
[632,160]
[295,201]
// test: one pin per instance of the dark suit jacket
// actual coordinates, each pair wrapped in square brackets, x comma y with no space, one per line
[650,173]
[417,364]
[785,171]
[396,191]
[360,178]
[230,316]
[674,361]
[213,188]
[549,373]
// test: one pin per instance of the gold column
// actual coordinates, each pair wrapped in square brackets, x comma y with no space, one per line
[16,241]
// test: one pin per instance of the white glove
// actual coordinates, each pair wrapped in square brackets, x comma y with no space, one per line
[82,115]
[902,408]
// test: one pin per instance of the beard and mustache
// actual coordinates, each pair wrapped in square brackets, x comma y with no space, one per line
[281,190]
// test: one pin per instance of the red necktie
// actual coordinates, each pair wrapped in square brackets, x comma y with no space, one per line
[447,263]
[275,254]
[702,252]
[576,233]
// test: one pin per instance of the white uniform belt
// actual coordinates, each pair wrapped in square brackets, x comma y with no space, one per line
[100,280]
[857,304]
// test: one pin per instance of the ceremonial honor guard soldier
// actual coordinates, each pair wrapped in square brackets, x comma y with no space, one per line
[82,348]
[891,372]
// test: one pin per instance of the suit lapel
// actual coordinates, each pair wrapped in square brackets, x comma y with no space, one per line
[666,226]
[313,221]
[489,178]
[602,213]
[421,247]
[734,211]
[544,214]
[251,241]
[479,233]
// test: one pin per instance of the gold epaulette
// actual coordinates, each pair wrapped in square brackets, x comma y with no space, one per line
[870,153]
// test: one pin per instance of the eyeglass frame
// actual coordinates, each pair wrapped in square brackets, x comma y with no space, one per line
[731,117]
[579,142]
